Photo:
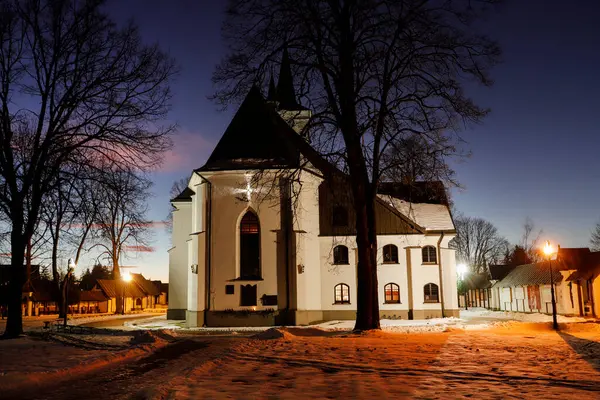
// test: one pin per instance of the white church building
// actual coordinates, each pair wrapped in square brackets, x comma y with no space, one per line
[253,247]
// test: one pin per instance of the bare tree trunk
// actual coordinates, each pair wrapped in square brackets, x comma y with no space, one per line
[59,298]
[14,322]
[120,303]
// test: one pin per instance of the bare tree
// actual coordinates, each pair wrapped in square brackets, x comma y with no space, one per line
[121,216]
[530,239]
[478,243]
[97,92]
[375,73]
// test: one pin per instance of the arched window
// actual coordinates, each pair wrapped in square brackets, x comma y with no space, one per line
[340,255]
[390,254]
[392,293]
[341,294]
[340,216]
[430,292]
[249,247]
[429,255]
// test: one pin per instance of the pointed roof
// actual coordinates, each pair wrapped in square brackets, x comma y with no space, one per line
[257,137]
[272,95]
[184,196]
[286,95]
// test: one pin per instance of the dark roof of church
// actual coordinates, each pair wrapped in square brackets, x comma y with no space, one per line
[185,195]
[432,192]
[255,138]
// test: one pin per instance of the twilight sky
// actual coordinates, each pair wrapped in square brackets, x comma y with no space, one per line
[536,155]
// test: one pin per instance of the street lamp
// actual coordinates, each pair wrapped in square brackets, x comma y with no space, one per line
[548,250]
[126,277]
[462,270]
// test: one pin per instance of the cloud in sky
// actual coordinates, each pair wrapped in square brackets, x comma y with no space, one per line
[190,149]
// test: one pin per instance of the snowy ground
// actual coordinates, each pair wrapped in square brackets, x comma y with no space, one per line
[473,319]
[482,354]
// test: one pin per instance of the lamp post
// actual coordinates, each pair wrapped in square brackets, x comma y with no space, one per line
[70,268]
[548,251]
[462,270]
[126,277]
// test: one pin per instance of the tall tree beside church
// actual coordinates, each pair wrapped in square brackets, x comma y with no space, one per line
[375,73]
[92,89]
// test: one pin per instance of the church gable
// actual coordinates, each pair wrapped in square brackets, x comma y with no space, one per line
[337,216]
[255,139]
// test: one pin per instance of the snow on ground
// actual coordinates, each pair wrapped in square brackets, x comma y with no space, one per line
[473,319]
[496,363]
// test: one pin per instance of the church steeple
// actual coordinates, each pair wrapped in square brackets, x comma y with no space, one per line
[286,94]
[272,95]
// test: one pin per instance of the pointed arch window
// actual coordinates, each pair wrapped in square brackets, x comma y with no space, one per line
[340,255]
[431,293]
[390,254]
[392,293]
[429,255]
[250,247]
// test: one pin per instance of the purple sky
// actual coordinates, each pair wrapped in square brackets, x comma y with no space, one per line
[536,155]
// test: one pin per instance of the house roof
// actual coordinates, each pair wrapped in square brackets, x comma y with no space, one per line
[92,295]
[111,289]
[145,285]
[433,192]
[184,196]
[477,281]
[498,272]
[255,138]
[432,217]
[162,287]
[530,274]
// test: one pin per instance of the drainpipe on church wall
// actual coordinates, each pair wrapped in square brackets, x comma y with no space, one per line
[439,249]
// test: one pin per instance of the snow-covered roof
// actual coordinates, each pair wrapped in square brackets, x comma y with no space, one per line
[432,217]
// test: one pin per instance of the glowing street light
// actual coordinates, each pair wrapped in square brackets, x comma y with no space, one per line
[548,250]
[126,278]
[462,270]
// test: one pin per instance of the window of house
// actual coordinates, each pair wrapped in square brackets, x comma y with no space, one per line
[390,254]
[340,216]
[340,255]
[341,294]
[249,247]
[392,293]
[229,289]
[248,295]
[429,255]
[431,293]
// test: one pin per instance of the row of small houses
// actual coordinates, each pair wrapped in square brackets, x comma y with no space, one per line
[140,294]
[526,288]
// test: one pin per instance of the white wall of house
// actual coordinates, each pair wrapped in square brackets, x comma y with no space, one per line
[422,273]
[178,256]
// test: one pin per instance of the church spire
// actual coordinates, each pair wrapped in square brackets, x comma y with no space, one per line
[272,95]
[285,87]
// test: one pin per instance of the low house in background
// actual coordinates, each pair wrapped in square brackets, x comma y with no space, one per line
[497,272]
[477,290]
[139,293]
[37,292]
[162,298]
[527,287]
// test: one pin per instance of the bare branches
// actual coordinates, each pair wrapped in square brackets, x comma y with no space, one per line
[478,243]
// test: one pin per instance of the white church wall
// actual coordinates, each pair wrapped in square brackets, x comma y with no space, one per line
[306,224]
[227,212]
[178,260]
